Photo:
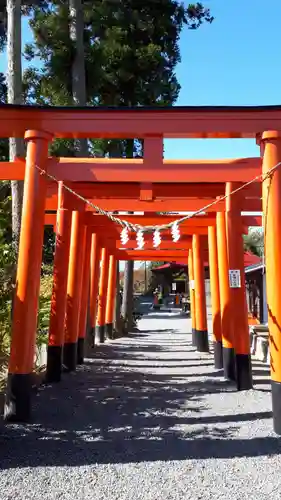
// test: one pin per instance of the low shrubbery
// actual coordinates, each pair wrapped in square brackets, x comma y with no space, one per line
[6,289]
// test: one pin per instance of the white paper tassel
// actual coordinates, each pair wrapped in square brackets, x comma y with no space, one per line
[175,230]
[140,240]
[156,238]
[124,236]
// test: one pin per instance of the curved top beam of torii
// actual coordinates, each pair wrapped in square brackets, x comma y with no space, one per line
[96,122]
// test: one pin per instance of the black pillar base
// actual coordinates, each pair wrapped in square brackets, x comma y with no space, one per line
[100,332]
[202,340]
[228,356]
[193,337]
[243,372]
[54,363]
[276,405]
[109,331]
[80,351]
[218,360]
[70,356]
[18,398]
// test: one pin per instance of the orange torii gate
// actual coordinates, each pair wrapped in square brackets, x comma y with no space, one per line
[99,224]
[188,227]
[40,125]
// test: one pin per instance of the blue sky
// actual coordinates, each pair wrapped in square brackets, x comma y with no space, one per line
[234,61]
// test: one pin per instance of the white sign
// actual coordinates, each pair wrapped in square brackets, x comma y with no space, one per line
[174,287]
[192,285]
[234,278]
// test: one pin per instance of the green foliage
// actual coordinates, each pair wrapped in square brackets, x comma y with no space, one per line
[254,242]
[48,245]
[46,285]
[7,267]
[7,263]
[131,51]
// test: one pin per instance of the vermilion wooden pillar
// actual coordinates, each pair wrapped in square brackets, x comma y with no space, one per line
[24,323]
[58,301]
[239,309]
[74,284]
[271,142]
[103,284]
[215,296]
[84,298]
[201,334]
[110,300]
[225,299]
[192,297]
[94,281]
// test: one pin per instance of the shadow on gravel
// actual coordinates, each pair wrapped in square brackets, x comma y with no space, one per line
[105,414]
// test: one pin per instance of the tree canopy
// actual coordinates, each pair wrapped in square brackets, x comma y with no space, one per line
[131,51]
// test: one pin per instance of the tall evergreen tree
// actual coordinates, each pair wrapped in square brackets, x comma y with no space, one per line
[131,51]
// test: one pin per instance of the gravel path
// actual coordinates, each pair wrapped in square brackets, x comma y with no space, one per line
[147,418]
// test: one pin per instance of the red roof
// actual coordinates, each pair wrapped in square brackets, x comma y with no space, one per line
[174,264]
[169,265]
[249,260]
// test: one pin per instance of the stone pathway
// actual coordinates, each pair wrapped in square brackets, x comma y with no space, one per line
[147,418]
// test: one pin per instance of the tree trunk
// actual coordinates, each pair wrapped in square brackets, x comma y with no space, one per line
[76,33]
[14,83]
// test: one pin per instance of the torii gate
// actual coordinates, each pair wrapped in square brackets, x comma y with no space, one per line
[100,224]
[40,125]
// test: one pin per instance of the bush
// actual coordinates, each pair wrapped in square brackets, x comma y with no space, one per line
[6,290]
[7,272]
[44,310]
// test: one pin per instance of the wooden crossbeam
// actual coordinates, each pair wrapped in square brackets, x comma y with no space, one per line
[186,121]
[200,221]
[138,171]
[166,205]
